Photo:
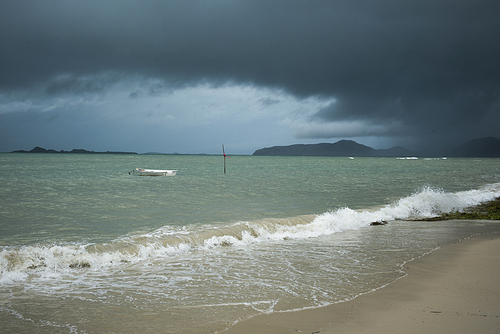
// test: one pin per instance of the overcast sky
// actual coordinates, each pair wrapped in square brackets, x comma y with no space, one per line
[187,76]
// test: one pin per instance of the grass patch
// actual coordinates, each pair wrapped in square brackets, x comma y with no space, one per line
[488,211]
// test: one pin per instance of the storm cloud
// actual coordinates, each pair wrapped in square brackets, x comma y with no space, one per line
[407,72]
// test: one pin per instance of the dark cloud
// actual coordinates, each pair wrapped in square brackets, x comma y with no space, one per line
[269,101]
[430,65]
[71,84]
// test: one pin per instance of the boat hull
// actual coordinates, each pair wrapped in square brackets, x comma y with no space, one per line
[154,172]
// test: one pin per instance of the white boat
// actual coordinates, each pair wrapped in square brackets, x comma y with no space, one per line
[153,172]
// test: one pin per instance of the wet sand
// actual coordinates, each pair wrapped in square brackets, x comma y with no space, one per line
[455,289]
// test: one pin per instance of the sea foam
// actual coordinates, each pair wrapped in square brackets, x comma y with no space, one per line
[20,263]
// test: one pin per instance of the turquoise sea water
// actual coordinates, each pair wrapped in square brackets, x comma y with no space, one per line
[85,247]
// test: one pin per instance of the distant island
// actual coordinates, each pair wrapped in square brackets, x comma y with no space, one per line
[484,147]
[74,151]
[488,147]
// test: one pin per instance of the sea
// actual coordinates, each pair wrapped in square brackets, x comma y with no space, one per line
[87,247]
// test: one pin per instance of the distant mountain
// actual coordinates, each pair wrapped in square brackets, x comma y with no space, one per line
[340,148]
[488,147]
[396,151]
[483,147]
[38,149]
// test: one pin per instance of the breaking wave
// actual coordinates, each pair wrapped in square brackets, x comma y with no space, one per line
[19,263]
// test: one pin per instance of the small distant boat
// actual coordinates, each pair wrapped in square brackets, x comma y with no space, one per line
[153,172]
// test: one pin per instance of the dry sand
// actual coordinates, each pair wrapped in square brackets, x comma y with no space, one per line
[455,289]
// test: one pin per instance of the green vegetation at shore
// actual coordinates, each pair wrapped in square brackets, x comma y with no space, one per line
[489,210]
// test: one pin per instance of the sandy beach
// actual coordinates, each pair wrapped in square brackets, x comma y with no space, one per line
[455,289]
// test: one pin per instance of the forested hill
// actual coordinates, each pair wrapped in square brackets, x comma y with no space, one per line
[341,148]
[484,147]
[74,151]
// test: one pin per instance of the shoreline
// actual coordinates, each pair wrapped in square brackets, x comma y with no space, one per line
[452,289]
